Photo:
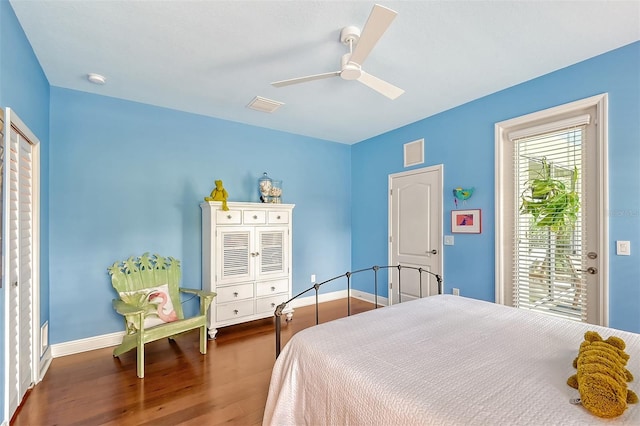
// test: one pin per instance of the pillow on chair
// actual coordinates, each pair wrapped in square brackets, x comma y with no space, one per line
[155,301]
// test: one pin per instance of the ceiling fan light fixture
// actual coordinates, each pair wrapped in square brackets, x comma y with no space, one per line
[264,105]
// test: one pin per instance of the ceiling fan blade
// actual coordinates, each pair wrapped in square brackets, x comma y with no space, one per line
[377,23]
[283,83]
[380,86]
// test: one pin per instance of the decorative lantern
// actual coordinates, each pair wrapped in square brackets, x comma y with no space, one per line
[264,187]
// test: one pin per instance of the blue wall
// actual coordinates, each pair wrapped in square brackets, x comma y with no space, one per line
[25,89]
[463,140]
[127,178]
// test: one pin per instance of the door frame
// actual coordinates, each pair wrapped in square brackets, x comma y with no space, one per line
[502,209]
[11,119]
[439,168]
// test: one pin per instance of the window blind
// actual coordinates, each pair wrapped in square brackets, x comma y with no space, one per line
[549,233]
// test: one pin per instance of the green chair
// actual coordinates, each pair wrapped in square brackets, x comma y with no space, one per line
[149,292]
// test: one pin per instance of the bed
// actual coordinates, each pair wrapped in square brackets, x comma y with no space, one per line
[441,360]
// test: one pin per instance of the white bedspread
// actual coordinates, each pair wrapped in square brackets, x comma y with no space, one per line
[441,360]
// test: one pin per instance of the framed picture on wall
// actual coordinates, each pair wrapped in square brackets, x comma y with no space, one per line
[466,221]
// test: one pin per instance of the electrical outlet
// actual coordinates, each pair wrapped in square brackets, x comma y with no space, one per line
[313,278]
[455,291]
[623,248]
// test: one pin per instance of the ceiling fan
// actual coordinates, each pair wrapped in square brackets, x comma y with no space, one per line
[360,45]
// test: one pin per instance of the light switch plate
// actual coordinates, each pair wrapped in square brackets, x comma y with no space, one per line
[623,248]
[448,240]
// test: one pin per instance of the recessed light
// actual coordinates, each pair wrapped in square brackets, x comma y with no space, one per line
[96,78]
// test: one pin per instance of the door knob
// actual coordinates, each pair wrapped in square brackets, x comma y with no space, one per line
[434,251]
[591,270]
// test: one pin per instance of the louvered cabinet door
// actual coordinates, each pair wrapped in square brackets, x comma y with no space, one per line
[272,260]
[237,254]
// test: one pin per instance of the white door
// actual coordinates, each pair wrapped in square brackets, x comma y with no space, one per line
[19,233]
[415,232]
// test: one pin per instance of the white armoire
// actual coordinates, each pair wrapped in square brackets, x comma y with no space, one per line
[246,260]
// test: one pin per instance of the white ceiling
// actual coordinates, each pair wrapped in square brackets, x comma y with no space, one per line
[213,57]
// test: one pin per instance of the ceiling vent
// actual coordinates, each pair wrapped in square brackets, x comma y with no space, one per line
[414,153]
[264,105]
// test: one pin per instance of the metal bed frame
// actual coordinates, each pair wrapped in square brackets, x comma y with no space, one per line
[280,308]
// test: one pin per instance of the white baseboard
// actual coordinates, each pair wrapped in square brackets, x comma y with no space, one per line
[45,362]
[325,297]
[113,339]
[369,297]
[336,295]
[88,344]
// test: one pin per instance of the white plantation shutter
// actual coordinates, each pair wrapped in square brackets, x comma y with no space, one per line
[272,251]
[235,254]
[548,266]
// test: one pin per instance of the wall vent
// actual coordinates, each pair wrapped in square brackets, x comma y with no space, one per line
[264,105]
[414,153]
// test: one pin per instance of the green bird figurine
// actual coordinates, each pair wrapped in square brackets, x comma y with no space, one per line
[462,194]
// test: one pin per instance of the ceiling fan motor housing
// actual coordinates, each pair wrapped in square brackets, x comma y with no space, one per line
[350,70]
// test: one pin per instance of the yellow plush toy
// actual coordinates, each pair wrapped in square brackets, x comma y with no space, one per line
[219,194]
[602,376]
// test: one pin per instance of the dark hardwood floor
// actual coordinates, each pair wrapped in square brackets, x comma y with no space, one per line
[229,385]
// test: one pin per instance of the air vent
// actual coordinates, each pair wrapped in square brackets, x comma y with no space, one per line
[264,105]
[414,153]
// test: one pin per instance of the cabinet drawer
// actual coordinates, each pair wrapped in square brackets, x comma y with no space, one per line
[279,216]
[254,217]
[234,292]
[229,217]
[234,310]
[268,304]
[272,287]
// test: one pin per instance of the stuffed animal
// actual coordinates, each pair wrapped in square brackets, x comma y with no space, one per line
[602,376]
[219,194]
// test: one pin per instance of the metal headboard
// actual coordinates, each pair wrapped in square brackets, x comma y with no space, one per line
[280,308]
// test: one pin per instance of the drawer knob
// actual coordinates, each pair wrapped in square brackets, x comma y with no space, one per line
[273,289]
[273,305]
[228,216]
[235,294]
[278,216]
[235,311]
[255,216]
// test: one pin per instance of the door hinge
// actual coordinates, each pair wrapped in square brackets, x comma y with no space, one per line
[391,192]
[390,238]
[390,285]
